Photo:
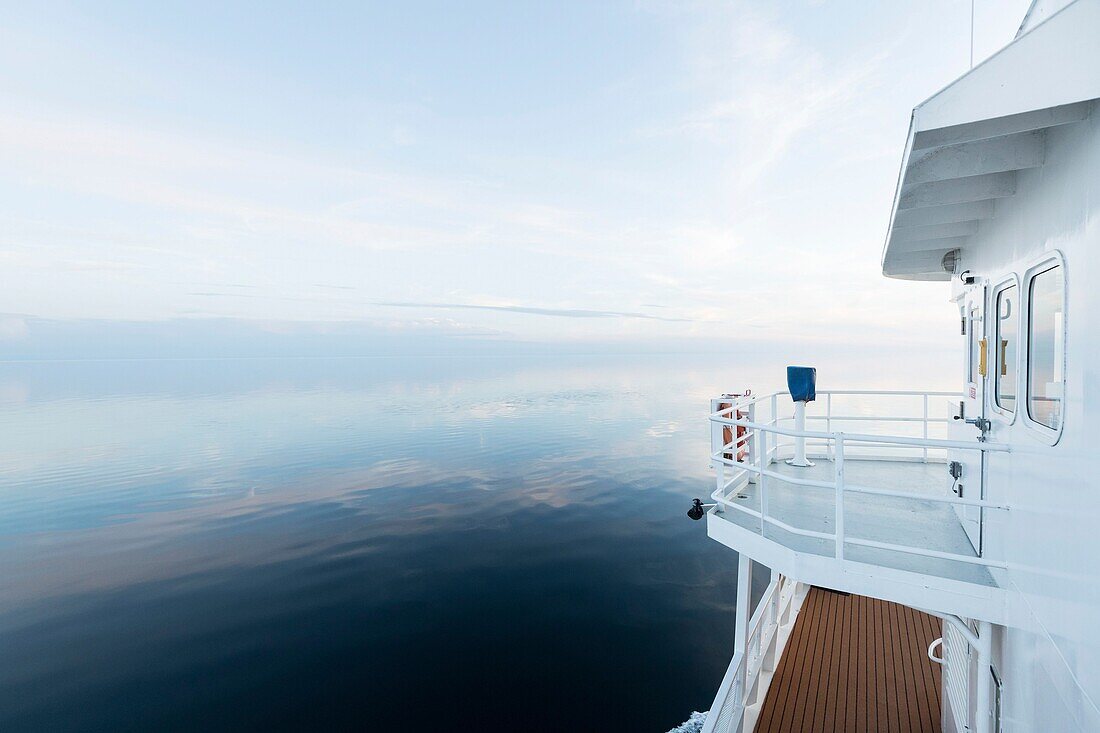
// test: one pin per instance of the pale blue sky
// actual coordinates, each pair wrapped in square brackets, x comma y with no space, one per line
[544,171]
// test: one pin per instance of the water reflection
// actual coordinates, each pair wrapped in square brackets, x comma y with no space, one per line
[366,543]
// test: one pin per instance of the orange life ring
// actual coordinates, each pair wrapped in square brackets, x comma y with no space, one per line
[742,431]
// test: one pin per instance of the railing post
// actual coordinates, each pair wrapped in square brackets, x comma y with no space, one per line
[775,421]
[744,596]
[838,472]
[715,430]
[762,484]
[716,449]
[983,713]
[720,473]
[828,422]
[752,437]
[799,457]
[925,450]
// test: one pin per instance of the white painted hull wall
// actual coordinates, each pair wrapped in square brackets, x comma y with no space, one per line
[1048,655]
[1009,154]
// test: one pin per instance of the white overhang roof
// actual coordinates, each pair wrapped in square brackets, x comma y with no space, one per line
[967,142]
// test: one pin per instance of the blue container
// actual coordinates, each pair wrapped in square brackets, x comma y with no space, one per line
[802,383]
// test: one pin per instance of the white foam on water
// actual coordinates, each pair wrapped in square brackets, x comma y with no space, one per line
[694,724]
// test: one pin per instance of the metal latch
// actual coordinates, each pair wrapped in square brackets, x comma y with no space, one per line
[980,423]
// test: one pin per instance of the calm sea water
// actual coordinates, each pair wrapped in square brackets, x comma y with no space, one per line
[429,544]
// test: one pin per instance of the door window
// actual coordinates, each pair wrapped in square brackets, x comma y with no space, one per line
[1004,347]
[1046,346]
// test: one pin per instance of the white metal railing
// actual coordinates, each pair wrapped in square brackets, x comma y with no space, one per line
[739,685]
[740,443]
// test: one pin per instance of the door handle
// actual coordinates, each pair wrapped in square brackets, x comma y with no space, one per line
[980,423]
[932,647]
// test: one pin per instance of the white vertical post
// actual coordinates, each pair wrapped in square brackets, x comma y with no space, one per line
[767,664]
[721,485]
[744,595]
[838,467]
[800,441]
[925,450]
[775,420]
[741,630]
[983,707]
[752,438]
[828,423]
[799,458]
[715,430]
[762,484]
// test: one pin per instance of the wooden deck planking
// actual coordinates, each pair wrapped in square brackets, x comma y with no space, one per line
[793,717]
[855,664]
[783,711]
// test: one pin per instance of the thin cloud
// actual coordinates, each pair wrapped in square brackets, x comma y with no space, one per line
[561,312]
[529,310]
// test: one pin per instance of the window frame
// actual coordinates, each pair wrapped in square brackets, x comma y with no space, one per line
[1008,281]
[1048,261]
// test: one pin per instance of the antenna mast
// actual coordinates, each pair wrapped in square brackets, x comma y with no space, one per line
[971,34]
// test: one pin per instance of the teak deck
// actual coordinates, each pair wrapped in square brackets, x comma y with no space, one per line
[855,664]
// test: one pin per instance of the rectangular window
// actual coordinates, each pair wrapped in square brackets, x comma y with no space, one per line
[1004,348]
[1046,347]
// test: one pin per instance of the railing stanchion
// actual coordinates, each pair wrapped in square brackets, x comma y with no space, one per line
[926,426]
[716,448]
[743,601]
[762,481]
[828,422]
[716,430]
[838,471]
[775,422]
[752,439]
[721,486]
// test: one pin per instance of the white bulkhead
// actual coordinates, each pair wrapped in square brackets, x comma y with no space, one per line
[1022,193]
[1048,656]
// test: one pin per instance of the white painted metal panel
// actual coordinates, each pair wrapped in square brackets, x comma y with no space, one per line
[956,676]
[970,485]
[1048,657]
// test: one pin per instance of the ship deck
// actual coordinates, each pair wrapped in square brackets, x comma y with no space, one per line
[855,664]
[905,521]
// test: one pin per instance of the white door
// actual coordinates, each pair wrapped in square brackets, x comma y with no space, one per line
[970,484]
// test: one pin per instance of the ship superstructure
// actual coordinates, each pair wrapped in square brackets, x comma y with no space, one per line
[938,566]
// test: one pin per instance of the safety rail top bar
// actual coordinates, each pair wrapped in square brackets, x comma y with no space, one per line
[817,484]
[847,418]
[859,437]
[872,418]
[865,392]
